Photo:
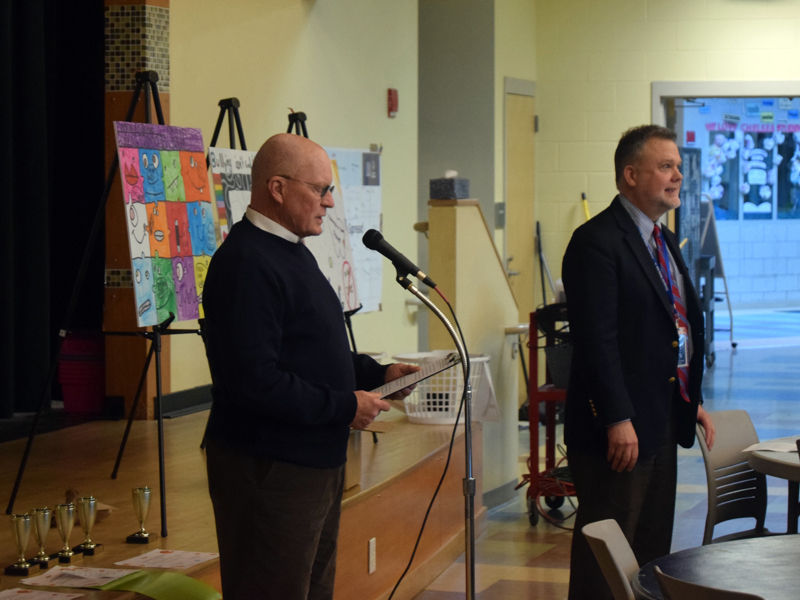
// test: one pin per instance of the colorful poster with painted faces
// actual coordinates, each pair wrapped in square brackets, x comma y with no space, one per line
[169,219]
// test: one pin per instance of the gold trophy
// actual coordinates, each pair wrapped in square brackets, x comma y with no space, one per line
[65,520]
[21,528]
[87,509]
[41,525]
[141,506]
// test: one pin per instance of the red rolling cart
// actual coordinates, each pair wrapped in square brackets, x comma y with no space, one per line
[543,484]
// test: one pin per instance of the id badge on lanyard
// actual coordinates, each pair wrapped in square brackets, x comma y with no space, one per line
[683,347]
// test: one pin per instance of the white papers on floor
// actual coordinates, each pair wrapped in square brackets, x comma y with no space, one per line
[784,444]
[77,577]
[168,559]
[19,594]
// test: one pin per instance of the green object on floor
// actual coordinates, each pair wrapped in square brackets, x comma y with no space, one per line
[164,586]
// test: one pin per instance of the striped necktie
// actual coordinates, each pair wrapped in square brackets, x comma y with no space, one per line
[678,307]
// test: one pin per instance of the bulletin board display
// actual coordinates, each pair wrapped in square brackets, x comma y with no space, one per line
[687,216]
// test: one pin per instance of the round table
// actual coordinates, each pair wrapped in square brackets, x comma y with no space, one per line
[768,566]
[785,465]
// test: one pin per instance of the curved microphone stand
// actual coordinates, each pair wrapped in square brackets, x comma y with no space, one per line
[469,480]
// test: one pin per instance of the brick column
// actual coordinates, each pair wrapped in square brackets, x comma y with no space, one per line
[137,39]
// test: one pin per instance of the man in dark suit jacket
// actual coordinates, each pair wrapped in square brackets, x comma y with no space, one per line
[633,320]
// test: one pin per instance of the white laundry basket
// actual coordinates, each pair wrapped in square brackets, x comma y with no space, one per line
[436,399]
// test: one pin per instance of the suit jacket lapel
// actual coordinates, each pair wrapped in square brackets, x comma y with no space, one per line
[637,245]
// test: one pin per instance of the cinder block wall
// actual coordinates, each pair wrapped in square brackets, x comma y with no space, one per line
[596,60]
[761,261]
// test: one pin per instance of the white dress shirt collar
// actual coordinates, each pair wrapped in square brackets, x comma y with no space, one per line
[642,221]
[270,226]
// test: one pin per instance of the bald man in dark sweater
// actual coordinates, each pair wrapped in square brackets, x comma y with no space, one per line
[286,389]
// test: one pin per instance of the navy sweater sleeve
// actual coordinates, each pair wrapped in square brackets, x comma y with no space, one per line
[369,373]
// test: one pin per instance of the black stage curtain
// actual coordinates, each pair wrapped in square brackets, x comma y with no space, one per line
[51,177]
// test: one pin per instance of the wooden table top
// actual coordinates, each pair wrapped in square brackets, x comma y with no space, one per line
[765,566]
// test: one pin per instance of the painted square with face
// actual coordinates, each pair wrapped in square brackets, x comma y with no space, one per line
[143,291]
[200,272]
[152,175]
[185,289]
[158,230]
[136,215]
[173,180]
[180,243]
[164,289]
[195,177]
[207,216]
[129,171]
[201,226]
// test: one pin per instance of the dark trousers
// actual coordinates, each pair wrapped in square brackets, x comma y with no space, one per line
[277,526]
[642,501]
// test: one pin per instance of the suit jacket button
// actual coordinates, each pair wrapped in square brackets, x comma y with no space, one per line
[674,344]
[672,380]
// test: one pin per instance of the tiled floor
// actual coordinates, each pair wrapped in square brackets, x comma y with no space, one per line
[515,560]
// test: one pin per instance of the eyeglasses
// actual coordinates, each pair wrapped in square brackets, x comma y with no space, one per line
[323,190]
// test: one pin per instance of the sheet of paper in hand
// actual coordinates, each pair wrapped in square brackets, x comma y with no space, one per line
[428,370]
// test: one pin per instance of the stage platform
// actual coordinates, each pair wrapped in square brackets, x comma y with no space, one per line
[398,477]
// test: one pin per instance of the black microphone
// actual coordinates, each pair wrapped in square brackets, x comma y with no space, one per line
[374,241]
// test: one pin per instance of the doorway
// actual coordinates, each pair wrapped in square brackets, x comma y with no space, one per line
[516,238]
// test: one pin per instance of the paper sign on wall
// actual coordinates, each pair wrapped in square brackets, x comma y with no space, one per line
[360,177]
